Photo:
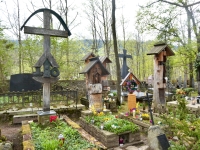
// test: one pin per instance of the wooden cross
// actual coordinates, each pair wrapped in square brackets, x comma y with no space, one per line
[124,70]
[46,58]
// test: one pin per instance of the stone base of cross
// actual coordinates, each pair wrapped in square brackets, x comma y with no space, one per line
[44,116]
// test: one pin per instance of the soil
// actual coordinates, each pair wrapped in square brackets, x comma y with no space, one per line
[13,134]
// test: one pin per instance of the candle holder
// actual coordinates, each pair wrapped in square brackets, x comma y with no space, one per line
[121,141]
[101,126]
[61,139]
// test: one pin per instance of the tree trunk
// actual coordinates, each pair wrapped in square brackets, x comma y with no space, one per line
[19,39]
[116,54]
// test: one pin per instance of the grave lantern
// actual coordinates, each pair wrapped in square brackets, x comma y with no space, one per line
[38,72]
[160,51]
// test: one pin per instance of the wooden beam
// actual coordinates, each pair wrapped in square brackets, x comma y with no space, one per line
[42,31]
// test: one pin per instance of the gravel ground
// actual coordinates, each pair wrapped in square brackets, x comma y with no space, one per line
[13,134]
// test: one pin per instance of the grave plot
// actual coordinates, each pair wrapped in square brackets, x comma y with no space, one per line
[110,130]
[57,134]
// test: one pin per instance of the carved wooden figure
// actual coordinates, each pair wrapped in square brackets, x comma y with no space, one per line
[160,51]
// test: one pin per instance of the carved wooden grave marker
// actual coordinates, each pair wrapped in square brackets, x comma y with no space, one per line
[160,51]
[94,71]
[50,67]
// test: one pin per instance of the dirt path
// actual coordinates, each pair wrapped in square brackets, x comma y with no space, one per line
[13,134]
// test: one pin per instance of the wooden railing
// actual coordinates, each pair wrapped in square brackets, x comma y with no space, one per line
[23,99]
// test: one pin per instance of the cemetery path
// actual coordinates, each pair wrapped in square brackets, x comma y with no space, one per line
[12,133]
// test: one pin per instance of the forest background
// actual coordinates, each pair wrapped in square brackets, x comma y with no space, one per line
[176,22]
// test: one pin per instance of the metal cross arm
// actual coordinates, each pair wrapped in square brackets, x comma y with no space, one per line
[124,70]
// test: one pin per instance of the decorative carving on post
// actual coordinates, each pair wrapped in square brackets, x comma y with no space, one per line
[160,51]
[50,67]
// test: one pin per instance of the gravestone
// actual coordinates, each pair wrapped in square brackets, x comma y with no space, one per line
[185,81]
[24,82]
[50,67]
[193,83]
[125,68]
[180,82]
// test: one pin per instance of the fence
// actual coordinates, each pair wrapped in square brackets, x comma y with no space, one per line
[24,99]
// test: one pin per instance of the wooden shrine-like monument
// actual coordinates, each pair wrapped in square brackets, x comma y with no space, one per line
[50,67]
[96,76]
[160,51]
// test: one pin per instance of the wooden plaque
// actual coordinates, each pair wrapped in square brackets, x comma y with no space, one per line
[131,101]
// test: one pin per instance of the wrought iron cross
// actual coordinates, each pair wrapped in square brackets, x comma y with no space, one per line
[125,68]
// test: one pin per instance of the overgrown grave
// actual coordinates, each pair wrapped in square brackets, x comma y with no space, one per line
[59,134]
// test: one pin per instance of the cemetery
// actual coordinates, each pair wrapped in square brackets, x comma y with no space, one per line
[98,105]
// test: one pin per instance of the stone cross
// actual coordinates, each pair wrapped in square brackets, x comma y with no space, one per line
[47,60]
[125,68]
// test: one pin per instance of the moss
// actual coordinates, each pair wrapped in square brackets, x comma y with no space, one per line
[28,145]
[26,129]
[3,138]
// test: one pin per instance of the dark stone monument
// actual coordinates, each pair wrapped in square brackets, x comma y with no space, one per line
[24,82]
[125,68]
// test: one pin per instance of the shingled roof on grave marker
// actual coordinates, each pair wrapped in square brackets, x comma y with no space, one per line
[105,58]
[128,76]
[92,62]
[87,56]
[159,47]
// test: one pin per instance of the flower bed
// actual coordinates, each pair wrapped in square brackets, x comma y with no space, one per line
[108,130]
[57,135]
[112,124]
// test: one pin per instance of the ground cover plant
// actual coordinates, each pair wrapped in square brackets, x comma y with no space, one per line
[46,137]
[111,123]
[181,124]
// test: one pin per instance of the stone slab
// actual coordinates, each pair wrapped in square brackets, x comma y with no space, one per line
[189,105]
[20,118]
[43,113]
[44,116]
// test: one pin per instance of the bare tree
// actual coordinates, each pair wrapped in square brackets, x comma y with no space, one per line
[190,17]
[91,15]
[15,24]
[116,53]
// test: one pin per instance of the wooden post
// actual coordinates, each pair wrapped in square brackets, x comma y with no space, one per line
[46,59]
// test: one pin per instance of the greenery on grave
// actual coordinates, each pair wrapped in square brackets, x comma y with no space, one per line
[45,137]
[182,124]
[111,123]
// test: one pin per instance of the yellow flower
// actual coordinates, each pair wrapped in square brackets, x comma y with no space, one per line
[100,114]
[106,119]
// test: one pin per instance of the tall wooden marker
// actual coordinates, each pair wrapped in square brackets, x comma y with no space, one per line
[50,67]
